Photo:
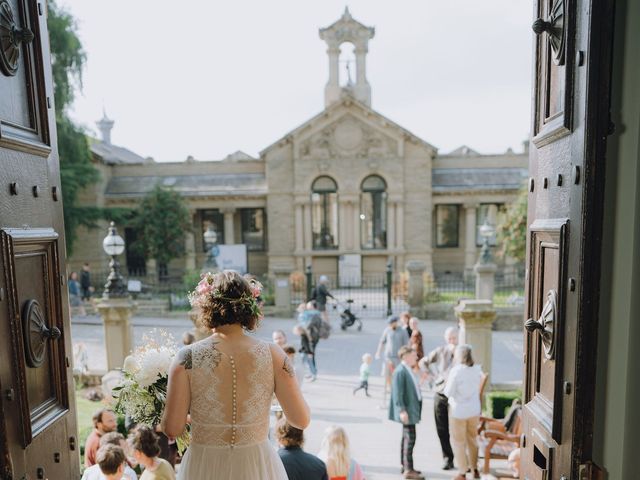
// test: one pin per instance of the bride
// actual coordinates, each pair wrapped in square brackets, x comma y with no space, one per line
[225,383]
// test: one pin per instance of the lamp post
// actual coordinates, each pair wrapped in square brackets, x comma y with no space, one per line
[113,245]
[116,306]
[485,269]
[486,232]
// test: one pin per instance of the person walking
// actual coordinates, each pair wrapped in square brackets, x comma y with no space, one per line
[463,391]
[226,383]
[406,407]
[320,294]
[299,464]
[393,337]
[415,340]
[85,282]
[441,360]
[365,371]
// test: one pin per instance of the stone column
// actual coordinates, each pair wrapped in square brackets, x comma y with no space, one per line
[229,229]
[283,289]
[476,318]
[416,270]
[190,246]
[343,206]
[118,334]
[152,270]
[355,212]
[299,226]
[391,226]
[470,249]
[485,280]
[308,240]
[399,226]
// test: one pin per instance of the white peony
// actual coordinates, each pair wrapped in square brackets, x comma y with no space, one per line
[152,365]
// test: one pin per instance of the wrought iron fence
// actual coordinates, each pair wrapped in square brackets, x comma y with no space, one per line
[450,289]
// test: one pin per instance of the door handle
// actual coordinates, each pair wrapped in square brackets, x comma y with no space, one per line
[545,325]
[554,28]
[36,333]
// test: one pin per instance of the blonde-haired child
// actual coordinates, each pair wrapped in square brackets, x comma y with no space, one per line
[365,370]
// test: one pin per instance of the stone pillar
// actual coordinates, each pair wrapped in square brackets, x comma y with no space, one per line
[416,270]
[190,245]
[485,280]
[343,207]
[470,249]
[152,270]
[308,240]
[118,334]
[400,226]
[283,289]
[229,229]
[332,89]
[299,227]
[391,226]
[355,212]
[475,318]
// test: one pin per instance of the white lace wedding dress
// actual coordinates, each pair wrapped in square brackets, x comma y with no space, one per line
[230,407]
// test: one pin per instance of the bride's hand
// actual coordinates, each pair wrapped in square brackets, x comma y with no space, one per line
[287,390]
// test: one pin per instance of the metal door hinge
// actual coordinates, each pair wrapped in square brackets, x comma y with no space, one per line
[590,471]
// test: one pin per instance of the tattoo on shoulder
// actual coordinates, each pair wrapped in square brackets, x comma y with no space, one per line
[288,368]
[185,358]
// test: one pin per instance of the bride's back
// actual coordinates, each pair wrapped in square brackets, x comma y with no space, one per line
[231,384]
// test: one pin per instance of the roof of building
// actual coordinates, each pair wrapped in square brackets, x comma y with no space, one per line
[347,99]
[474,179]
[463,151]
[225,184]
[114,155]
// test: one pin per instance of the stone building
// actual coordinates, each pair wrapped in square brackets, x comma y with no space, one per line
[347,183]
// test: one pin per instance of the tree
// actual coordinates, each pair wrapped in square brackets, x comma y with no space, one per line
[512,232]
[76,170]
[161,222]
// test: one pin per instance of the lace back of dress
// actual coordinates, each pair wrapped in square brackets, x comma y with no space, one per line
[230,394]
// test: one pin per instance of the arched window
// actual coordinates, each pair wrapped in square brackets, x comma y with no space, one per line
[324,213]
[373,213]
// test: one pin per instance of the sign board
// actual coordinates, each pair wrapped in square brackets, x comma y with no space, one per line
[350,270]
[134,286]
[231,257]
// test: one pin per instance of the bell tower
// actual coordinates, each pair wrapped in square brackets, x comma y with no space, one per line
[347,30]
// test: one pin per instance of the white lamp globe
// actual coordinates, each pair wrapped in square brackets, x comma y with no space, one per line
[486,230]
[113,244]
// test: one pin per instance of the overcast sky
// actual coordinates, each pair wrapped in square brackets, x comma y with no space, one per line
[208,77]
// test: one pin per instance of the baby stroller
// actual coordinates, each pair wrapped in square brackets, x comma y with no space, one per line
[347,318]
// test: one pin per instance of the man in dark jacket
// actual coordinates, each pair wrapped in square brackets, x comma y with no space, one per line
[320,294]
[298,464]
[85,282]
[406,407]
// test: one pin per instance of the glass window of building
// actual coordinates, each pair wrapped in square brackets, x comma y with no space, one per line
[373,213]
[491,213]
[447,225]
[212,228]
[254,232]
[324,213]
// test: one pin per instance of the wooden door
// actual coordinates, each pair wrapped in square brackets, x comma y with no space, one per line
[37,410]
[569,128]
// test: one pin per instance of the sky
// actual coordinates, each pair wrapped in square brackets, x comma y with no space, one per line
[205,78]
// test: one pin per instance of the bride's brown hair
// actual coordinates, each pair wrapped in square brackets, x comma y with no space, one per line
[231,302]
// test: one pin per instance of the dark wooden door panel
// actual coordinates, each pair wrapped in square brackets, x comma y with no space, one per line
[564,217]
[36,409]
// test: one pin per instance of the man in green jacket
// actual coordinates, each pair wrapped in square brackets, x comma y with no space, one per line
[406,407]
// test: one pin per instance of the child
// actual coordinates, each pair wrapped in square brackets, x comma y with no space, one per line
[291,353]
[365,369]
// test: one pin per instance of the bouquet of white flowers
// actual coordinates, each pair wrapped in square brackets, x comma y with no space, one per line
[142,394]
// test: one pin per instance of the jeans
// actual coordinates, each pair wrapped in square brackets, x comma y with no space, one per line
[310,361]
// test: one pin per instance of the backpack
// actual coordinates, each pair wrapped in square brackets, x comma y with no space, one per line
[324,330]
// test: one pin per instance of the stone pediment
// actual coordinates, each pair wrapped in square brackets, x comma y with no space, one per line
[347,137]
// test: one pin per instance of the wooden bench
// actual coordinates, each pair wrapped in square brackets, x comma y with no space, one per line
[495,440]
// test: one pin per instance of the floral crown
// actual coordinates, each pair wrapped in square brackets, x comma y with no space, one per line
[206,292]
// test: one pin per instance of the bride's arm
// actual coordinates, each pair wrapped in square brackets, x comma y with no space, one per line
[288,392]
[178,395]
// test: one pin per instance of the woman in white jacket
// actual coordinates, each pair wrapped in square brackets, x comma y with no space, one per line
[463,391]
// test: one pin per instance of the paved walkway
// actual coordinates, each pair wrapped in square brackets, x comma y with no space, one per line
[375,441]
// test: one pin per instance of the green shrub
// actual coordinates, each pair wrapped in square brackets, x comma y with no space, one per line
[498,402]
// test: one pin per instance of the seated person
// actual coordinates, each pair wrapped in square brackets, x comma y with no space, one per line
[298,464]
[112,438]
[111,460]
